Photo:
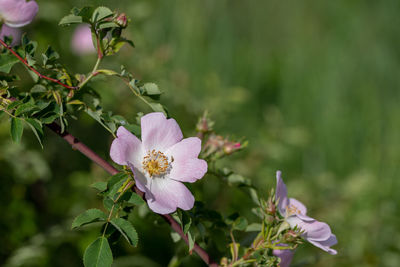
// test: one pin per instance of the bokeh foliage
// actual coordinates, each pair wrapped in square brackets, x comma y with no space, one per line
[312,86]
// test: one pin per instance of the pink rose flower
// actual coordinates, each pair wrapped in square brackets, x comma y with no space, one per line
[317,233]
[82,40]
[17,13]
[161,162]
[15,33]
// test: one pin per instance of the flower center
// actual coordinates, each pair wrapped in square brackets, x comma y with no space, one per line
[291,210]
[155,163]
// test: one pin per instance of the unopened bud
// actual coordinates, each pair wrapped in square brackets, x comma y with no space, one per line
[271,208]
[290,236]
[202,125]
[231,147]
[122,20]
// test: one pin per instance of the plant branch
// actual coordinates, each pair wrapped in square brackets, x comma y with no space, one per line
[81,147]
[135,93]
[34,70]
[92,73]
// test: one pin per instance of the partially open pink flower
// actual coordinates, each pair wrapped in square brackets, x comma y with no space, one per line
[317,233]
[18,13]
[82,40]
[286,256]
[15,33]
[161,162]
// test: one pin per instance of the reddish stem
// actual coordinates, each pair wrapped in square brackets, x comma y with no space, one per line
[81,147]
[99,53]
[34,70]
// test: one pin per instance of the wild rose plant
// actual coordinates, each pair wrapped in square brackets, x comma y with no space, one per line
[156,163]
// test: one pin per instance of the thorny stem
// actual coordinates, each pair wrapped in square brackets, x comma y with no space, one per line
[81,147]
[34,70]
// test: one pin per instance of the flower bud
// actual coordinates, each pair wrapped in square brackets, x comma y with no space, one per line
[204,124]
[122,20]
[231,147]
[270,209]
[290,236]
[214,144]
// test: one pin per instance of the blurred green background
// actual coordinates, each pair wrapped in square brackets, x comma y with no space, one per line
[313,86]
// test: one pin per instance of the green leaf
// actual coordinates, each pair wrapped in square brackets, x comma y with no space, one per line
[151,89]
[117,43]
[183,219]
[107,72]
[135,199]
[38,88]
[98,254]
[100,13]
[97,115]
[50,55]
[115,183]
[6,62]
[133,128]
[240,224]
[254,227]
[26,107]
[126,229]
[37,129]
[70,19]
[85,12]
[89,216]
[187,222]
[14,104]
[157,107]
[116,178]
[191,240]
[108,24]
[16,129]
[108,203]
[175,236]
[101,186]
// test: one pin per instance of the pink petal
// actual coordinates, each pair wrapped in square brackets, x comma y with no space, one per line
[189,170]
[305,218]
[168,195]
[325,245]
[126,148]
[299,206]
[281,194]
[18,13]
[286,256]
[141,181]
[15,33]
[315,230]
[186,167]
[187,148]
[158,132]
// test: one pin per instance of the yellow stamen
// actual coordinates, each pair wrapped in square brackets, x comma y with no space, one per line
[291,209]
[155,163]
